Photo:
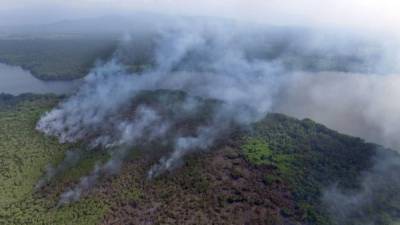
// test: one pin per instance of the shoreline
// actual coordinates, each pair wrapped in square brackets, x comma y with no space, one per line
[42,77]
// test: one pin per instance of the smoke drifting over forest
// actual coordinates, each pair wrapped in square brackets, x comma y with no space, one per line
[227,75]
[377,185]
[293,71]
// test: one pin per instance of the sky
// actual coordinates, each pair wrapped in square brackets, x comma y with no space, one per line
[374,15]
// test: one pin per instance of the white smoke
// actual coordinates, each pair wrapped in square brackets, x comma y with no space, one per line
[363,105]
[84,184]
[189,59]
[250,71]
[378,192]
[71,159]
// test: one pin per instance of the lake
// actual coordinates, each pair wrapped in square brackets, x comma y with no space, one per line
[15,80]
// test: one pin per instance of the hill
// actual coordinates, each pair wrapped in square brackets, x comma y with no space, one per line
[279,170]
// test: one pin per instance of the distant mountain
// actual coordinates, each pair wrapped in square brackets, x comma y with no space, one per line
[106,25]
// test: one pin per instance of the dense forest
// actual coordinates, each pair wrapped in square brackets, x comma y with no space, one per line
[175,112]
[57,58]
[277,171]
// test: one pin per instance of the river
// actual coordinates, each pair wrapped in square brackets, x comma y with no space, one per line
[15,80]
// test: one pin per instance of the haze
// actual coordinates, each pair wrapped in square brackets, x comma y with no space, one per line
[375,15]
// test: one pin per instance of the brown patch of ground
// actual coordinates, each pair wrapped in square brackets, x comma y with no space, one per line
[218,187]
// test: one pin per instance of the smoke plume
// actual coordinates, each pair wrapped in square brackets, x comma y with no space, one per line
[377,194]
[71,159]
[185,85]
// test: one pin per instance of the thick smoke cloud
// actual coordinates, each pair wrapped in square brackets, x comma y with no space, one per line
[245,71]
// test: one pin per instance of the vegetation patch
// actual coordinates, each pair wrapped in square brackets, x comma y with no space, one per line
[257,151]
[310,157]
